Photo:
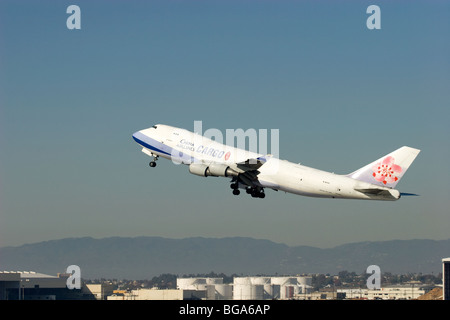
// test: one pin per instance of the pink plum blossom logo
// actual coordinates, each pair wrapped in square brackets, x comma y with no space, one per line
[386,171]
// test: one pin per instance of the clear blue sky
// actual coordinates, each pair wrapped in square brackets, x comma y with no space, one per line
[340,94]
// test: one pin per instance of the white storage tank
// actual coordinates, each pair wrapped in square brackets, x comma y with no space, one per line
[210,292]
[248,292]
[268,293]
[288,286]
[260,280]
[284,281]
[305,284]
[214,281]
[242,280]
[224,291]
[272,291]
[304,281]
[190,283]
[289,291]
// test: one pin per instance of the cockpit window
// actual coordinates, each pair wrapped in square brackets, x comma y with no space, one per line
[154,127]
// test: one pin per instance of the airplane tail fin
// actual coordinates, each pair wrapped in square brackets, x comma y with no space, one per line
[388,170]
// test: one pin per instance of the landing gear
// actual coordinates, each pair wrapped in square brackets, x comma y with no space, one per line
[261,195]
[234,186]
[258,194]
[255,192]
[153,162]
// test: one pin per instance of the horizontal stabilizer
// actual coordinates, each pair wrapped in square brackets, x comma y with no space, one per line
[373,191]
[380,192]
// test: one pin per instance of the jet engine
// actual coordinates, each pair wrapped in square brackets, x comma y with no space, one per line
[214,169]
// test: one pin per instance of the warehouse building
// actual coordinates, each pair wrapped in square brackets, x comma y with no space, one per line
[30,285]
[9,282]
[410,292]
[159,294]
[446,279]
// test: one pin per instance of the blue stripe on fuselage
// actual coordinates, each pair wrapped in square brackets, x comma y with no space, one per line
[151,144]
[161,148]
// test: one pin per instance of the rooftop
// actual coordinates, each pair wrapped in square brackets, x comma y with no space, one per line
[29,274]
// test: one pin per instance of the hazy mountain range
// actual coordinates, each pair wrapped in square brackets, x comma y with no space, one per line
[145,257]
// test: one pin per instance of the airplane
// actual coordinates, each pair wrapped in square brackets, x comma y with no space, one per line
[254,172]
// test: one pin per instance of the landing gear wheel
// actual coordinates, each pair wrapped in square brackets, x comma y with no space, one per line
[153,162]
[256,192]
[234,186]
[236,192]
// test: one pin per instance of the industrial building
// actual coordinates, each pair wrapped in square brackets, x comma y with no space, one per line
[30,285]
[157,294]
[187,289]
[446,278]
[242,288]
[268,288]
[9,282]
[387,293]
[265,288]
[248,288]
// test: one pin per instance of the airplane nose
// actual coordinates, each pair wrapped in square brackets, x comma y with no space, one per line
[135,135]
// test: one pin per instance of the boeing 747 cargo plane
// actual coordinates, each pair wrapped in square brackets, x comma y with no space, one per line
[254,172]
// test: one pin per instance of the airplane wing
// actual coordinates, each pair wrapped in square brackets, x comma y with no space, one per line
[251,164]
[248,170]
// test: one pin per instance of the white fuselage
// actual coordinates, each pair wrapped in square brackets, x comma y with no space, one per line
[185,147]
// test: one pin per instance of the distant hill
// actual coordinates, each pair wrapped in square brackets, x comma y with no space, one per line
[145,257]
